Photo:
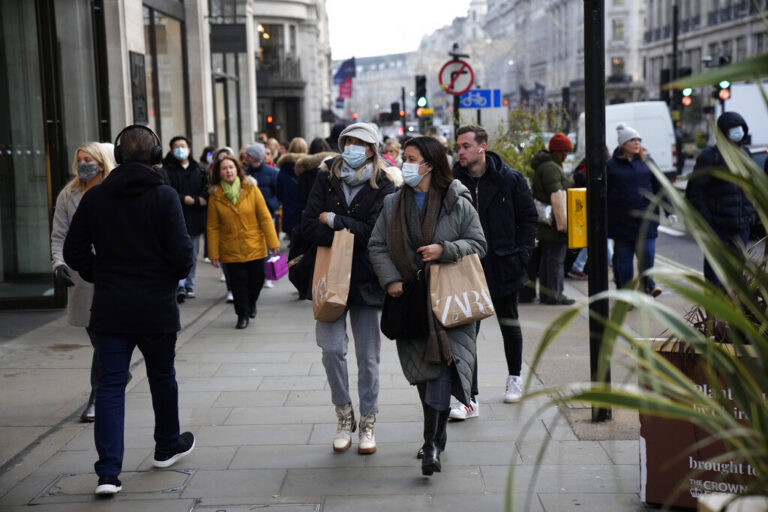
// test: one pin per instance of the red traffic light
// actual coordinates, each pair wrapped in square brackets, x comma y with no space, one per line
[269,119]
[402,113]
[687,100]
[724,94]
[354,115]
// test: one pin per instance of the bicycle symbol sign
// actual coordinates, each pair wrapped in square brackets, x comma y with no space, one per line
[481,98]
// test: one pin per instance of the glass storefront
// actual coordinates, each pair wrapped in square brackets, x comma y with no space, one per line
[25,266]
[166,79]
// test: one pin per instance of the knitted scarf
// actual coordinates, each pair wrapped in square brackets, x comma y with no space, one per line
[409,230]
[231,192]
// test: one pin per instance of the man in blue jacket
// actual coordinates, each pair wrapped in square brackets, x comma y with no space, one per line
[266,178]
[128,237]
[505,205]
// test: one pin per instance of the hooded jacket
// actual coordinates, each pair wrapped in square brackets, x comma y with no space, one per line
[287,189]
[548,177]
[193,182]
[504,202]
[359,216]
[141,248]
[306,170]
[722,204]
[460,233]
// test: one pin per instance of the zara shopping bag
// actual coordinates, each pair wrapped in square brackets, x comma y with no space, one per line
[459,293]
[276,267]
[330,282]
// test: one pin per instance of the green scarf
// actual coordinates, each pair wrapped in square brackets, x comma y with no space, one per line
[231,192]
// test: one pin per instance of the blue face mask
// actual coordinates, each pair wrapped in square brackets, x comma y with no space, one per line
[354,155]
[181,154]
[411,176]
[736,134]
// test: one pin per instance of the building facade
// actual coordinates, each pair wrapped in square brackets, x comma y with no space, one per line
[73,71]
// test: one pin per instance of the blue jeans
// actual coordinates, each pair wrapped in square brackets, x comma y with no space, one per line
[623,261]
[189,281]
[159,351]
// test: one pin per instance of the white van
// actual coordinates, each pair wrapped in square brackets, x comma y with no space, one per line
[651,119]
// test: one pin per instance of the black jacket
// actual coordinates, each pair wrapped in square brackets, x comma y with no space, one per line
[359,217]
[509,220]
[135,225]
[192,181]
[722,204]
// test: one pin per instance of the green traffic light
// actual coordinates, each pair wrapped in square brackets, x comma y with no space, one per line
[724,84]
[422,101]
[687,91]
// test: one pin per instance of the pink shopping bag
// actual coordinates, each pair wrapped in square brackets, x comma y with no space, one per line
[276,267]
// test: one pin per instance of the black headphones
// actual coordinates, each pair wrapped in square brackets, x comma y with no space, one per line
[156,154]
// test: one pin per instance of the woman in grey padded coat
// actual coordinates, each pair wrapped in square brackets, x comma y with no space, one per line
[92,163]
[430,221]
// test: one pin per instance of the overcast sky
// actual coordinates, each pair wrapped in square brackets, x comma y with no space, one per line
[363,28]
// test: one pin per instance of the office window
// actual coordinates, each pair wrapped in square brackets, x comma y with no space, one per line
[617,29]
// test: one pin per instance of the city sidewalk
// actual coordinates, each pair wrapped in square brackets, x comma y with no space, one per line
[259,405]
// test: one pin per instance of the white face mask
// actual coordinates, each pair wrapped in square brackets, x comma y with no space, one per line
[736,133]
[411,175]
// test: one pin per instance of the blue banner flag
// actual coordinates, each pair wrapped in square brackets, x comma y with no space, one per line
[345,71]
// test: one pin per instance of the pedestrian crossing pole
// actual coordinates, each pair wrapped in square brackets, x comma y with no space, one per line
[597,226]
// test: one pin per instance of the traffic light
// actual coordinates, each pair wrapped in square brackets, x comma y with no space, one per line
[395,110]
[421,91]
[686,99]
[269,119]
[724,92]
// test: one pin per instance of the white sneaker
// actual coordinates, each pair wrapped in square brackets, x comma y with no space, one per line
[269,283]
[230,297]
[207,259]
[343,438]
[367,442]
[514,389]
[223,278]
[464,412]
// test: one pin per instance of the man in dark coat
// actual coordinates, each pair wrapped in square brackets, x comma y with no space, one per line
[190,181]
[128,237]
[503,200]
[264,174]
[722,204]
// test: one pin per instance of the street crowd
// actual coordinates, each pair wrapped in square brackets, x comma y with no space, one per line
[129,226]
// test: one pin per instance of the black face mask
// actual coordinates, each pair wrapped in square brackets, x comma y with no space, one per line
[87,171]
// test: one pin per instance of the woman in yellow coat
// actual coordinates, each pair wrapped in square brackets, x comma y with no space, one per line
[240,228]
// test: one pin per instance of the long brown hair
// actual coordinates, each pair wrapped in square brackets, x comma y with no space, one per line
[433,154]
[216,170]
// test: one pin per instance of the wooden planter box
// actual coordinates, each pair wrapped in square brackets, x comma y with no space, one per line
[666,455]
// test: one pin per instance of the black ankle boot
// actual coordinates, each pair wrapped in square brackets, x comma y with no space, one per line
[442,433]
[242,322]
[430,463]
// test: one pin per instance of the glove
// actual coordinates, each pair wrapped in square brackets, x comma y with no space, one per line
[672,218]
[63,276]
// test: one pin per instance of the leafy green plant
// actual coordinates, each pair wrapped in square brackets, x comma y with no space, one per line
[518,144]
[736,313]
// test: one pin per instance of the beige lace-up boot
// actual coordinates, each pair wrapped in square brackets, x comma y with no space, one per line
[367,443]
[343,438]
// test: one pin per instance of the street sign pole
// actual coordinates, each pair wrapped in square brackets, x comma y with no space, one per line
[451,72]
[597,193]
[402,118]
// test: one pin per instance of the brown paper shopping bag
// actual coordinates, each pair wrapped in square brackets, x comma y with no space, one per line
[459,292]
[330,282]
[560,210]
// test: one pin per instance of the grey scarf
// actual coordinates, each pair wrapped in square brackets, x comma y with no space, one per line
[353,179]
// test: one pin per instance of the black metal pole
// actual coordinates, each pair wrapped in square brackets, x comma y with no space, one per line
[594,96]
[456,104]
[404,110]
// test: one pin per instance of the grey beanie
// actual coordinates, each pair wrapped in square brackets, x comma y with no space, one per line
[256,151]
[366,132]
[626,133]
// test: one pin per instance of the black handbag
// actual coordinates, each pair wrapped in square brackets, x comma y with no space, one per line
[405,317]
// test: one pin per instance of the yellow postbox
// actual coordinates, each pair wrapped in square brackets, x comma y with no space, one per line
[577,218]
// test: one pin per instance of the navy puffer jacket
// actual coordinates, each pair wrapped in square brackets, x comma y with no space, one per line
[630,183]
[722,204]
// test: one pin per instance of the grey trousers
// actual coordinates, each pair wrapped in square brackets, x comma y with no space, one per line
[332,338]
[551,271]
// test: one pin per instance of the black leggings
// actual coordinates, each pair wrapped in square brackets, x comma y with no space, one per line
[509,322]
[246,280]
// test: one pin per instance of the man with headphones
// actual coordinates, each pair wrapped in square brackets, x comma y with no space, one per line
[505,205]
[128,237]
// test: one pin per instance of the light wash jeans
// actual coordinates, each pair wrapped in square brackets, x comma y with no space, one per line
[332,338]
[581,260]
[189,281]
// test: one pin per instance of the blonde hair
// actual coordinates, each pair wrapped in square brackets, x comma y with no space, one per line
[101,152]
[298,145]
[379,165]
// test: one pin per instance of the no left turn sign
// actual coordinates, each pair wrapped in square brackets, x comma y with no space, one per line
[456,77]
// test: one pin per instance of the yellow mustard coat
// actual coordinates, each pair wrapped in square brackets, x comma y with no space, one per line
[240,233]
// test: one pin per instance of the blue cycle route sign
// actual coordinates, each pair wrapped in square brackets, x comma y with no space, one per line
[481,98]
